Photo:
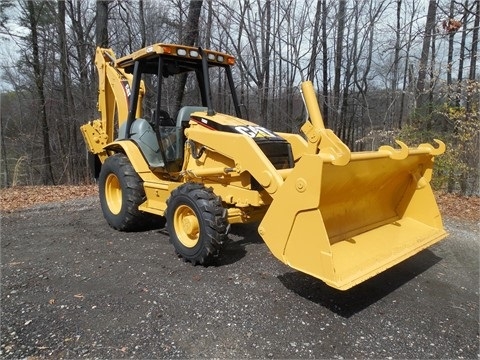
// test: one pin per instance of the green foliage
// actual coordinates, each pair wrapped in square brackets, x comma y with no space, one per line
[457,169]
[414,135]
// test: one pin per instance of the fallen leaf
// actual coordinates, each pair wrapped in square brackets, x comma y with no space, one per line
[16,263]
[14,198]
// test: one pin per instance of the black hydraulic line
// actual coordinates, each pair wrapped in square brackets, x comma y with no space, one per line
[206,82]
[233,92]
[132,110]
[196,155]
[158,109]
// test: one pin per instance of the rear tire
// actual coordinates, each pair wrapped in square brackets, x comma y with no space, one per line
[197,223]
[121,192]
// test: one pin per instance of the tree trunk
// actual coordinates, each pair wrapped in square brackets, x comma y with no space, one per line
[5,181]
[338,58]
[461,59]
[266,30]
[101,31]
[473,58]
[451,36]
[325,64]
[189,38]
[407,83]
[64,132]
[208,34]
[143,33]
[396,63]
[422,71]
[315,37]
[38,72]
[431,86]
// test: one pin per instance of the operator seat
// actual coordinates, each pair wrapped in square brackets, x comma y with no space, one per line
[184,114]
[165,119]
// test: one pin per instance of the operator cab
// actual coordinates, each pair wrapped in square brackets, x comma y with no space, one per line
[165,71]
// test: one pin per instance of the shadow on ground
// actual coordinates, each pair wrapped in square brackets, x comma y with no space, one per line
[354,300]
[343,303]
[241,235]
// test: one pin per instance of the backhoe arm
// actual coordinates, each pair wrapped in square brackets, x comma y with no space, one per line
[114,90]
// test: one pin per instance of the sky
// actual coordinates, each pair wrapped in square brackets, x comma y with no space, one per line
[10,51]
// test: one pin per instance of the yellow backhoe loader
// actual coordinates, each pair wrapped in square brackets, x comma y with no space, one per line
[337,215]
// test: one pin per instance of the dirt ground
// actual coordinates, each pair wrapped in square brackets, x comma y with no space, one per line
[23,197]
[72,287]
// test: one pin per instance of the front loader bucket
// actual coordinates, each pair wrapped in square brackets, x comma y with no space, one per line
[345,224]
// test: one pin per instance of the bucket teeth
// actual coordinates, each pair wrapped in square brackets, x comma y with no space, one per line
[396,154]
[432,150]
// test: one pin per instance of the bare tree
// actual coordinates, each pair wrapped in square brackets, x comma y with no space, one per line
[102,23]
[423,66]
[312,66]
[342,4]
[474,53]
[189,37]
[70,126]
[451,35]
[34,10]
[407,72]
[81,51]
[143,32]
[396,62]
[365,64]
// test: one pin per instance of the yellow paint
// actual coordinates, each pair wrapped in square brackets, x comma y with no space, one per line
[338,215]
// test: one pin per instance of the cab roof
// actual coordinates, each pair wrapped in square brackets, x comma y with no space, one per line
[186,58]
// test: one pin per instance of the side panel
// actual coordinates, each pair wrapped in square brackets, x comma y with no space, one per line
[157,190]
[136,158]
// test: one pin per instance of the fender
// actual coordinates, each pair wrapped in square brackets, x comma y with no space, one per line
[129,148]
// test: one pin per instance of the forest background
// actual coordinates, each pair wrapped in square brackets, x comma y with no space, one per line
[383,69]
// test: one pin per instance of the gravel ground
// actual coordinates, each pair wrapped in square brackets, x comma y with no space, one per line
[72,287]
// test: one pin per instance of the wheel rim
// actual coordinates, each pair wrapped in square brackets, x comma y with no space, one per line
[187,227]
[113,193]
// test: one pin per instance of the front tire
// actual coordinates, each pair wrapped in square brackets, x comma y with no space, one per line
[197,223]
[121,192]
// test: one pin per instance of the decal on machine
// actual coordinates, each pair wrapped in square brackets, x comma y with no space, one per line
[126,89]
[255,131]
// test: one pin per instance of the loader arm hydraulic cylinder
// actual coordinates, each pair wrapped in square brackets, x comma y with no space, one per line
[320,140]
[311,104]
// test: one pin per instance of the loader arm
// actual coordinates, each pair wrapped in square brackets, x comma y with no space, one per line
[249,159]
[114,90]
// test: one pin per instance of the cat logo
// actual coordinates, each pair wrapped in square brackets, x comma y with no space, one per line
[255,131]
